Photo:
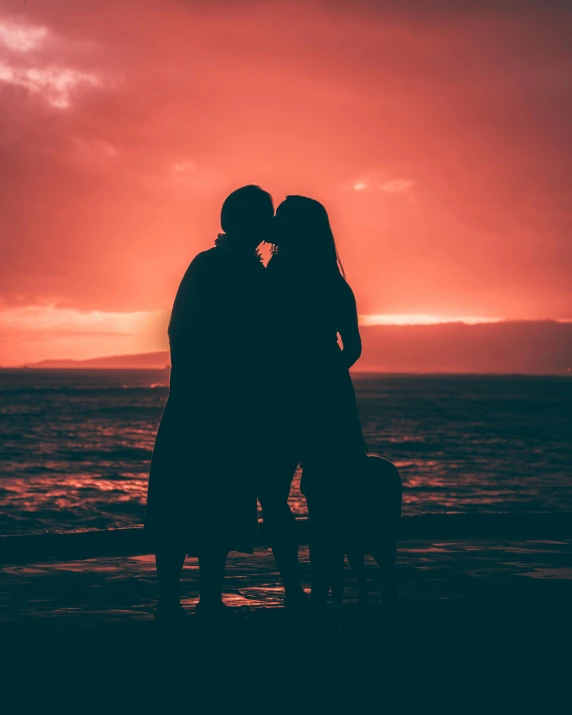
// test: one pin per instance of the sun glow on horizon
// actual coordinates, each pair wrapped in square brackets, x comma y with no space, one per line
[38,332]
[421,319]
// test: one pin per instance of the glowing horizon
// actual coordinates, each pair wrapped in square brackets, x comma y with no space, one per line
[423,319]
[50,332]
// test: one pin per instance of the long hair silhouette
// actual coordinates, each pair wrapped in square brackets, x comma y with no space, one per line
[303,237]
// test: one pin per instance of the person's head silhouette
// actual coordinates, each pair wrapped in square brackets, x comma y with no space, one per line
[303,235]
[247,216]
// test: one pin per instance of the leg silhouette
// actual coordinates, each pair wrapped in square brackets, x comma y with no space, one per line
[169,560]
[212,563]
[281,529]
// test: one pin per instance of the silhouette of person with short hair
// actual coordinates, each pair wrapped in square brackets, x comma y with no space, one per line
[202,491]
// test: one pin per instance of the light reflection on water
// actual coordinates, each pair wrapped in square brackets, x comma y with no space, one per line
[76,445]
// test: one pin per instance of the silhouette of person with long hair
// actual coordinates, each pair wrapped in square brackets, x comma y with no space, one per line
[202,492]
[317,419]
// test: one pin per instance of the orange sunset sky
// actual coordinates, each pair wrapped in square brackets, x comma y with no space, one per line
[436,133]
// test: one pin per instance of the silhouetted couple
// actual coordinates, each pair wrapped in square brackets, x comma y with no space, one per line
[259,384]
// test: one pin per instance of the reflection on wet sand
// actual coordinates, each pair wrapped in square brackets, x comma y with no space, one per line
[487,626]
[454,570]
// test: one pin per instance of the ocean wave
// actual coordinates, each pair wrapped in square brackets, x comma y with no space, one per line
[76,449]
[106,455]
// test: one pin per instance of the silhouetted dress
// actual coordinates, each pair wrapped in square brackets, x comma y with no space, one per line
[201,486]
[314,396]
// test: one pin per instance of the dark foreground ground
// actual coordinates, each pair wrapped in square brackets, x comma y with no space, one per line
[487,627]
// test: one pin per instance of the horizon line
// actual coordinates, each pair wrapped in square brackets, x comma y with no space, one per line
[421,319]
[129,355]
[354,371]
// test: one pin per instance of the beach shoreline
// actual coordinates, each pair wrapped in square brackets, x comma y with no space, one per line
[131,541]
[479,615]
[430,570]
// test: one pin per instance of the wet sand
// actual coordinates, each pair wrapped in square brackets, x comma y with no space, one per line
[487,625]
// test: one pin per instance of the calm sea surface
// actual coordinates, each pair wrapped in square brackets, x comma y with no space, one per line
[75,446]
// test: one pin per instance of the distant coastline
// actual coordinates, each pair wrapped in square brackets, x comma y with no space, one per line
[504,348]
[139,361]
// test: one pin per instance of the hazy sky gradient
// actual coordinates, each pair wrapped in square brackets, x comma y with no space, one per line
[436,133]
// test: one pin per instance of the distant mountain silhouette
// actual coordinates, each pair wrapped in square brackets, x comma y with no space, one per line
[141,361]
[529,347]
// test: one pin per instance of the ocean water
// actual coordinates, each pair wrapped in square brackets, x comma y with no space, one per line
[75,446]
